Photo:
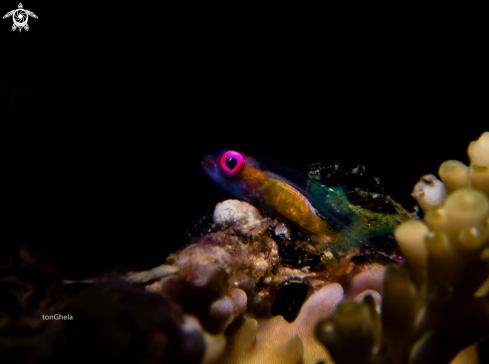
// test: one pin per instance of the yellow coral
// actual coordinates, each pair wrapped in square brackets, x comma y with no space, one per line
[273,340]
[479,150]
[454,174]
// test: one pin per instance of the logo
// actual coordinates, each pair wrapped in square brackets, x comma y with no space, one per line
[20,17]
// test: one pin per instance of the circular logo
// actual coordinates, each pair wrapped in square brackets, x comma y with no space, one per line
[20,17]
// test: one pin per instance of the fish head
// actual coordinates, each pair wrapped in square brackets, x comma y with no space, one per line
[226,168]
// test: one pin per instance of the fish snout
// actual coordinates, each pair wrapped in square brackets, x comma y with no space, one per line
[207,164]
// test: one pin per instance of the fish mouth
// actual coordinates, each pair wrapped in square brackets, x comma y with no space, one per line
[207,164]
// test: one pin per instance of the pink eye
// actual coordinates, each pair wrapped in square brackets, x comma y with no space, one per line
[231,162]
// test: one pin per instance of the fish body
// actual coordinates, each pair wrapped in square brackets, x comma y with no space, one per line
[258,182]
[324,212]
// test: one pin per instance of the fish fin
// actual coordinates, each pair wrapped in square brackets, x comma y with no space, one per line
[356,198]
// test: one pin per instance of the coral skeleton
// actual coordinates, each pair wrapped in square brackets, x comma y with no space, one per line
[227,280]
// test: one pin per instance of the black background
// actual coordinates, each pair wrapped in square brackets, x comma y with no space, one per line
[106,113]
